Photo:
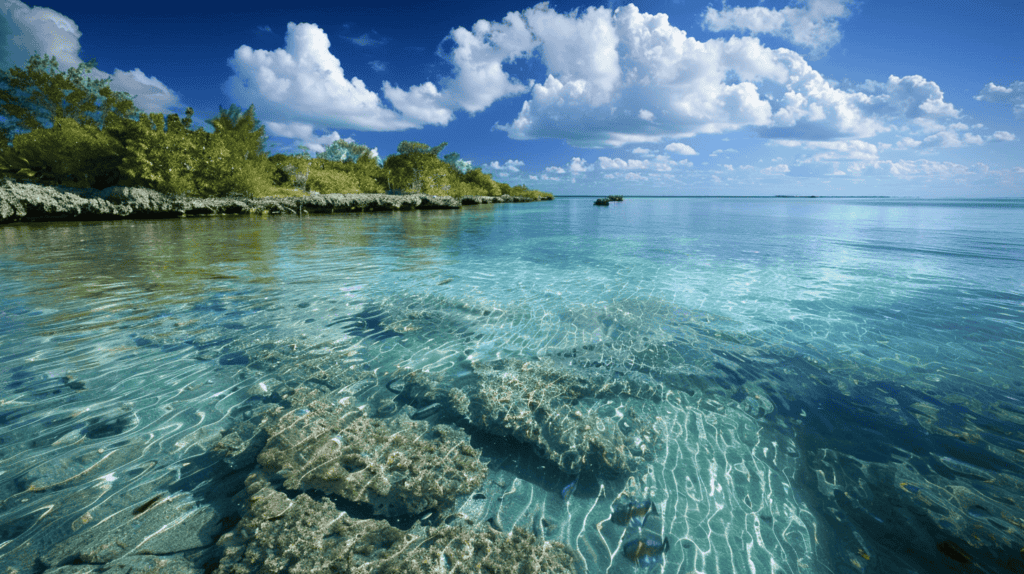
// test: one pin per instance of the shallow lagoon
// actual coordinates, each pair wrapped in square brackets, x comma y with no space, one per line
[835,384]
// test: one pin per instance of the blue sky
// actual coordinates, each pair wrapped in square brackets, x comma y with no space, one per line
[673,97]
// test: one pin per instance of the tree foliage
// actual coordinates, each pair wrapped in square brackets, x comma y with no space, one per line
[68,153]
[34,97]
[417,169]
[244,135]
[163,154]
[67,129]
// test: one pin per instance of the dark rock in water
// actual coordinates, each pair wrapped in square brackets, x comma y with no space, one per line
[601,201]
[544,405]
[301,535]
[398,465]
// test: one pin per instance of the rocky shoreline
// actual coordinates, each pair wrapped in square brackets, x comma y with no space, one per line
[27,202]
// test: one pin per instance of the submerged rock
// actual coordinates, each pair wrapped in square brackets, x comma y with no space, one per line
[553,409]
[397,464]
[301,535]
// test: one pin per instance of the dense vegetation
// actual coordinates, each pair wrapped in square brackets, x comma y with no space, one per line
[98,138]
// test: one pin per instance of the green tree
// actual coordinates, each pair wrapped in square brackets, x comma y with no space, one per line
[244,135]
[68,154]
[163,154]
[34,97]
[485,184]
[417,169]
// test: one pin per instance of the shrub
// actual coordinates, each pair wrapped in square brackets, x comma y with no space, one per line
[332,181]
[67,154]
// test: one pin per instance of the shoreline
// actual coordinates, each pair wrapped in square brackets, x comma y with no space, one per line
[22,202]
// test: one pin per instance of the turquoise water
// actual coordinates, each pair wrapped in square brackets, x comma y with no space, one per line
[835,384]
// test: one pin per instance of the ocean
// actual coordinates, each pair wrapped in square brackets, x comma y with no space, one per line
[691,384]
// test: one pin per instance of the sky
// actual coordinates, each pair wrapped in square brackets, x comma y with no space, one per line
[667,97]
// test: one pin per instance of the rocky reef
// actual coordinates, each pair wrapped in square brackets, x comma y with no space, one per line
[398,465]
[27,202]
[320,449]
[561,413]
[298,534]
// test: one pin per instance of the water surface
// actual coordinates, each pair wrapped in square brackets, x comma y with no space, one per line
[838,381]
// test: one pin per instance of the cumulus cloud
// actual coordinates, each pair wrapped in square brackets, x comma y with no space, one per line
[1013,95]
[1002,137]
[304,83]
[814,25]
[511,165]
[680,148]
[617,163]
[27,30]
[625,77]
[579,165]
[778,169]
[909,97]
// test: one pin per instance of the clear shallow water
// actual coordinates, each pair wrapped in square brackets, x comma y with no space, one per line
[839,381]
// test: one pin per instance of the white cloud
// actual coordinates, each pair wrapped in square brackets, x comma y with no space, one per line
[646,115]
[478,56]
[641,151]
[1002,136]
[511,165]
[907,143]
[28,30]
[304,83]
[690,87]
[423,103]
[554,169]
[911,169]
[623,164]
[365,40]
[579,165]
[777,169]
[827,151]
[909,97]
[680,148]
[1014,95]
[814,25]
[718,152]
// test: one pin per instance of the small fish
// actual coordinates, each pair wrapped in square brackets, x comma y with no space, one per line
[633,513]
[646,551]
[569,489]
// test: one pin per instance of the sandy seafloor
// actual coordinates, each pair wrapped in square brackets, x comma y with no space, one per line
[797,385]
